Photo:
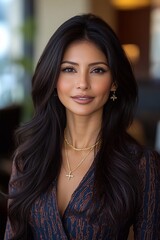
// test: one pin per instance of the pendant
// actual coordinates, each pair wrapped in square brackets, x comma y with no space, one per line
[69,175]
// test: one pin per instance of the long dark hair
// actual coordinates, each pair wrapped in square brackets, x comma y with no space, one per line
[39,142]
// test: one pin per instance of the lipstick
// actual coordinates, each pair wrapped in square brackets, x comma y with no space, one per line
[82,99]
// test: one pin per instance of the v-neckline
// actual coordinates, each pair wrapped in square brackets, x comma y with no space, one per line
[74,192]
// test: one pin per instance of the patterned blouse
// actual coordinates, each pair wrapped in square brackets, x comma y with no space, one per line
[46,222]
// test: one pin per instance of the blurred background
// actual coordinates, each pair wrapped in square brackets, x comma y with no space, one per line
[26,26]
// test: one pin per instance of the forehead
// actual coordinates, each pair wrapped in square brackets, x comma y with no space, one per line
[83,49]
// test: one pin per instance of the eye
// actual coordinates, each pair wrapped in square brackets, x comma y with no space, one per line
[68,69]
[99,70]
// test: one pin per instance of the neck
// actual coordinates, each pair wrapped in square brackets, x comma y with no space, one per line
[82,131]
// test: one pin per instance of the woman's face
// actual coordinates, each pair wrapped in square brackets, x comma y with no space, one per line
[85,80]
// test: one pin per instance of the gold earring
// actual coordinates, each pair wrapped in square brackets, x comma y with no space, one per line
[113,97]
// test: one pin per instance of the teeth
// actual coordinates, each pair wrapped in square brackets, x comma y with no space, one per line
[82,98]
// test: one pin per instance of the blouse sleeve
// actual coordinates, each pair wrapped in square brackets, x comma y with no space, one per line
[147,221]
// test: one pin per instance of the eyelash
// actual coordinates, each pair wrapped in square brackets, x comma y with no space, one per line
[98,70]
[68,69]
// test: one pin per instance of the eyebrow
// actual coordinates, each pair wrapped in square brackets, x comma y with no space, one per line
[91,64]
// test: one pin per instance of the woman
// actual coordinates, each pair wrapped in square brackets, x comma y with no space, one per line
[76,173]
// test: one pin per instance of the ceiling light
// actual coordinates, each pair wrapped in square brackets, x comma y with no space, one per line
[130,4]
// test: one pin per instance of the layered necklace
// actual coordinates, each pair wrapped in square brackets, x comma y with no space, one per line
[89,149]
[80,149]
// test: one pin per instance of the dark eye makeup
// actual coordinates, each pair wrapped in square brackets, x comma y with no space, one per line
[68,69]
[99,70]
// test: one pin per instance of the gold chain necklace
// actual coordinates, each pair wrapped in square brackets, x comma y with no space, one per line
[80,149]
[70,172]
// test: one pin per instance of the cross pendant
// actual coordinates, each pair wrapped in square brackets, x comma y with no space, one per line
[69,175]
[113,97]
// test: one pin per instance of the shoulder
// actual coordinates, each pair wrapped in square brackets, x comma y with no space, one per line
[144,157]
[147,220]
[146,162]
[149,161]
[148,169]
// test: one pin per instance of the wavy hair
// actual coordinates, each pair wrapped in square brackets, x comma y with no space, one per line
[38,157]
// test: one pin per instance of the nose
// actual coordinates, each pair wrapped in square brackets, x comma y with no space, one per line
[83,81]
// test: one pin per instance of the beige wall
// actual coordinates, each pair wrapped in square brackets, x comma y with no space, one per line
[104,9]
[50,14]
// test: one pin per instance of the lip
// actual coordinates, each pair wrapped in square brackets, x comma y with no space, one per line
[82,99]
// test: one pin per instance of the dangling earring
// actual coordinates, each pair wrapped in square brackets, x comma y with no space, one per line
[113,97]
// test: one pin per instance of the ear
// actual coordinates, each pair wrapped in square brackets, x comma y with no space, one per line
[114,87]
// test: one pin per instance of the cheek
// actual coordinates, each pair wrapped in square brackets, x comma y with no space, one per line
[62,86]
[104,89]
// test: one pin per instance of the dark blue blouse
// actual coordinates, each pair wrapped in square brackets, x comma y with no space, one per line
[46,222]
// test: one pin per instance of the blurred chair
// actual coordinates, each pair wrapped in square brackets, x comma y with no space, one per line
[9,121]
[137,131]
